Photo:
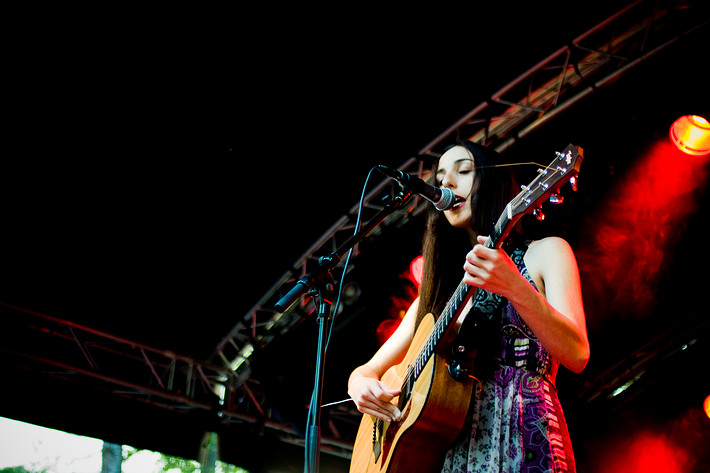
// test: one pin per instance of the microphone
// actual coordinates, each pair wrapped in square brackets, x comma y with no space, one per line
[442,198]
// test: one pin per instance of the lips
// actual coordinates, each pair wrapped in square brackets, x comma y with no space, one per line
[458,202]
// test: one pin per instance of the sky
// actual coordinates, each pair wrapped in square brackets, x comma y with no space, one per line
[42,449]
[35,448]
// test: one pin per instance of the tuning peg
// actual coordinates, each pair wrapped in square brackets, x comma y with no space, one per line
[556,198]
[573,182]
[538,214]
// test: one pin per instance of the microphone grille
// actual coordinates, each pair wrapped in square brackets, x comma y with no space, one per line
[446,201]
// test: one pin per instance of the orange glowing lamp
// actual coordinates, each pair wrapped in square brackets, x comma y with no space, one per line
[691,134]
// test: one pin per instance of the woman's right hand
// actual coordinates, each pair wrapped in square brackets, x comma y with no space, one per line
[372,396]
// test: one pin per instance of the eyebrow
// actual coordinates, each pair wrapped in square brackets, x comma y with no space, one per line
[441,170]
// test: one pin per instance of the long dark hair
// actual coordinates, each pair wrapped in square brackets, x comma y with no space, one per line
[444,247]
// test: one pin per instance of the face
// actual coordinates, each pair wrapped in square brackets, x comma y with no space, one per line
[457,172]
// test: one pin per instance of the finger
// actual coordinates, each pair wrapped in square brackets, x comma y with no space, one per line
[394,392]
[384,392]
[385,411]
[382,415]
[482,252]
[475,265]
[475,275]
[384,402]
[473,280]
[389,394]
[472,258]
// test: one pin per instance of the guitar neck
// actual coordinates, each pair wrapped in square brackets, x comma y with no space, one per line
[548,180]
[454,307]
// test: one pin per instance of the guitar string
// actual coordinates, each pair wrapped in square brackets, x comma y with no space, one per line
[437,329]
[414,369]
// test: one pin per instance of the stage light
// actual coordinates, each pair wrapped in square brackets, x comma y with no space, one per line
[691,134]
[386,328]
[416,267]
[706,406]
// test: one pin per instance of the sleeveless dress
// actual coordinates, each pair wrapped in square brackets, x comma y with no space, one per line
[515,421]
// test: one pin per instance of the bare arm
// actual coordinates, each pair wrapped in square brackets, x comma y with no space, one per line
[556,314]
[372,396]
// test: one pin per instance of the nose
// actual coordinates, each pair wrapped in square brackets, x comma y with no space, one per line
[448,180]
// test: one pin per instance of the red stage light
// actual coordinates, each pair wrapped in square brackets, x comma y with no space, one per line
[416,267]
[386,328]
[691,134]
[706,405]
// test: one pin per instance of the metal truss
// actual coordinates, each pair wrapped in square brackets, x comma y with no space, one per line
[73,353]
[224,384]
[590,62]
[76,353]
[618,385]
[263,323]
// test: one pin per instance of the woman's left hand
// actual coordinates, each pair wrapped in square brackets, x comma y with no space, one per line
[490,269]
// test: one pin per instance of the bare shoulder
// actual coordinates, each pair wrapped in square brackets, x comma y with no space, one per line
[550,247]
[549,257]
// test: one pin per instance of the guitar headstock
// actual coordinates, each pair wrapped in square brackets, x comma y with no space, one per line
[564,168]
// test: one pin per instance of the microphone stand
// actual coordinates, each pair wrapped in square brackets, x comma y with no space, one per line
[321,282]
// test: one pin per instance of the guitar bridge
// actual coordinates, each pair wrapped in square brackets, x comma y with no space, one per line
[376,444]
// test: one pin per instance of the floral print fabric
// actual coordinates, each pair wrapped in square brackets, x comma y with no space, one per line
[515,422]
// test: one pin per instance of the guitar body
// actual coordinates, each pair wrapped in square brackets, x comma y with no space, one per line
[433,417]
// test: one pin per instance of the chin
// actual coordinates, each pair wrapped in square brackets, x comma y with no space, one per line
[459,220]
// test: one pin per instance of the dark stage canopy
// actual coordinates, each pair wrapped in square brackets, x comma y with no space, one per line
[172,173]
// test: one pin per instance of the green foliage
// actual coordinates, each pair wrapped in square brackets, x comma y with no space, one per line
[20,469]
[227,468]
[172,464]
[180,464]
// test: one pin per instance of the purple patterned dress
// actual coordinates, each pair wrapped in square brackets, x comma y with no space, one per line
[515,422]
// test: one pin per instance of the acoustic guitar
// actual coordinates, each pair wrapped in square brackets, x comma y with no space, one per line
[436,388]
